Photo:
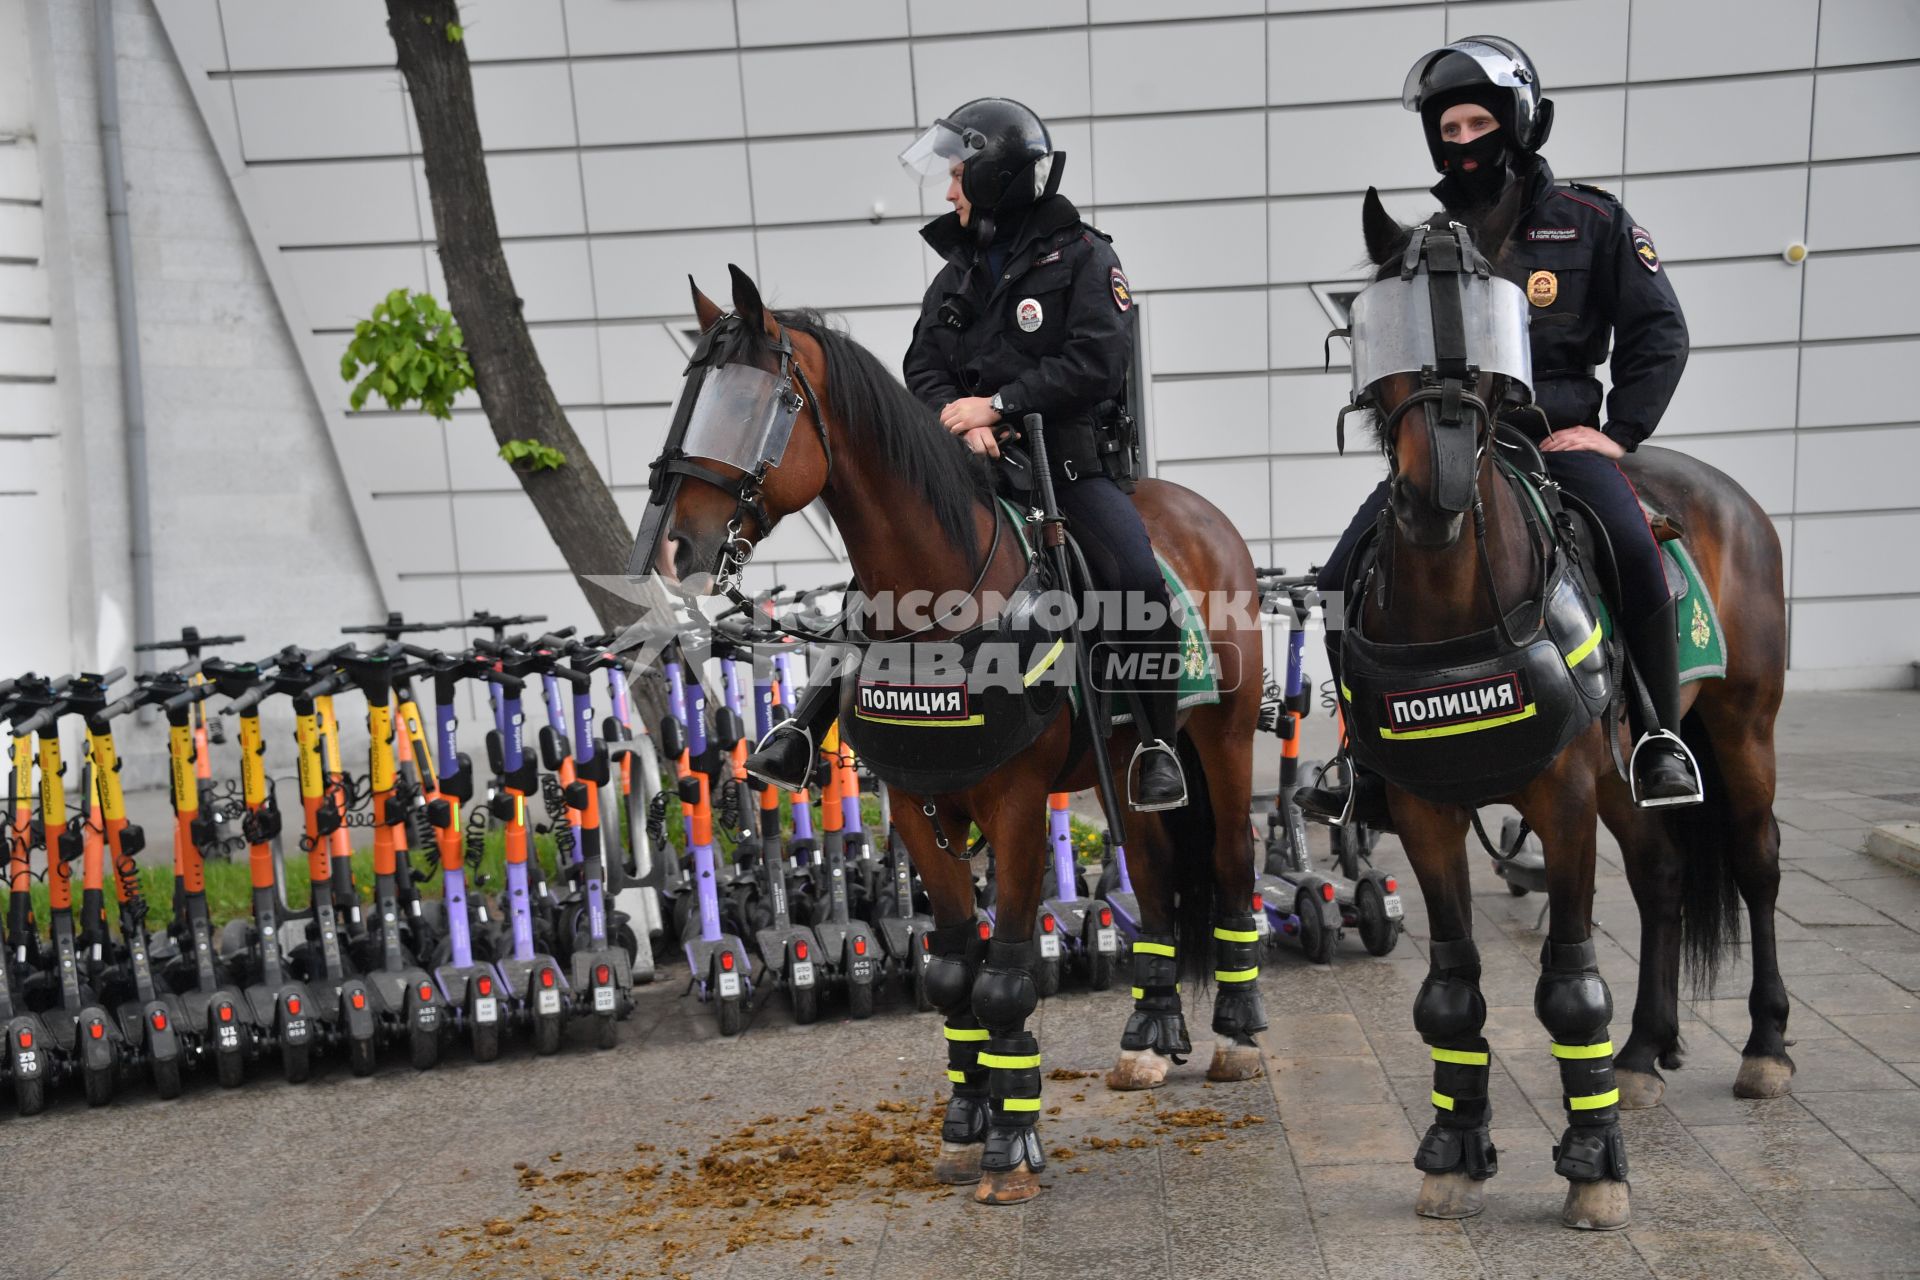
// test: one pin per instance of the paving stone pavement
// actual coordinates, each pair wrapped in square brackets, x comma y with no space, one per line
[393,1175]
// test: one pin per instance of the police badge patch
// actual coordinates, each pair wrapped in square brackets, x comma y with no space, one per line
[1028,314]
[1542,288]
[1644,250]
[1122,294]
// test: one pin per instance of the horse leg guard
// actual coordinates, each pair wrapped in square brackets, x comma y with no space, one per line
[1574,1005]
[1156,1033]
[950,975]
[1237,1011]
[1457,1154]
[1004,996]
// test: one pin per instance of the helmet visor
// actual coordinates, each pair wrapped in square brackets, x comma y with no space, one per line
[934,153]
[742,418]
[1460,65]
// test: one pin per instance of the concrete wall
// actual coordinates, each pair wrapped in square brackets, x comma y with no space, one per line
[1223,143]
[252,530]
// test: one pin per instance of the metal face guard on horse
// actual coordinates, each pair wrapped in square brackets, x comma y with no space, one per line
[917,513]
[1458,628]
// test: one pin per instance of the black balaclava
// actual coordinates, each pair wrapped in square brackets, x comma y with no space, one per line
[1492,152]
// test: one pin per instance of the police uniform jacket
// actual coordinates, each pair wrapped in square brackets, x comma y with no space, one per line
[1591,273]
[1052,334]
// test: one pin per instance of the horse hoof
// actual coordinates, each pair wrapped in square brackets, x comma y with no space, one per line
[1762,1077]
[1451,1195]
[1639,1090]
[1007,1186]
[1596,1206]
[1138,1069]
[958,1164]
[1235,1062]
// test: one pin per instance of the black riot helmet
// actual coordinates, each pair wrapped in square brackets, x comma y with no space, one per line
[1492,71]
[1007,156]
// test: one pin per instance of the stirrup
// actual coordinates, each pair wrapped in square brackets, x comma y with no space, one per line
[806,776]
[1141,750]
[1664,802]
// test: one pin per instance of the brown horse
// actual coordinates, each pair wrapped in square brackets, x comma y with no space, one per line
[1685,865]
[916,512]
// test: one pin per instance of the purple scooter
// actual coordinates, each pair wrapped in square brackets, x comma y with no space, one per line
[1074,928]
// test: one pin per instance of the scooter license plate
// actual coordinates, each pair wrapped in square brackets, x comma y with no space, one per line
[803,973]
[549,1002]
[1050,946]
[603,999]
[1394,909]
[486,1009]
[1106,940]
[729,986]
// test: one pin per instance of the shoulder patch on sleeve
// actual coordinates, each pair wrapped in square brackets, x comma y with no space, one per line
[1643,249]
[1122,292]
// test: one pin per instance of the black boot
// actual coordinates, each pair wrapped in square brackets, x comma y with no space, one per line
[787,755]
[1662,770]
[1155,779]
[1354,795]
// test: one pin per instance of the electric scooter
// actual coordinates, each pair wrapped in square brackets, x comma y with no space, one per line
[849,941]
[24,1062]
[630,749]
[1075,929]
[904,929]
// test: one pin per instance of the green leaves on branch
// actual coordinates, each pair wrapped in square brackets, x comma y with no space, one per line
[531,455]
[455,33]
[409,353]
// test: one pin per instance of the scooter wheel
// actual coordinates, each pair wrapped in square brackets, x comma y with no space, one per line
[296,1061]
[485,1041]
[860,1000]
[423,1045]
[1517,890]
[1316,940]
[1349,846]
[922,999]
[606,1030]
[1099,969]
[29,1095]
[546,1035]
[360,1055]
[231,1068]
[99,1085]
[166,1076]
[1379,933]
[806,1003]
[732,1016]
[1046,976]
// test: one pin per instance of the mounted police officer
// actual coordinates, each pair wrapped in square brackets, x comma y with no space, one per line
[1032,314]
[1592,274]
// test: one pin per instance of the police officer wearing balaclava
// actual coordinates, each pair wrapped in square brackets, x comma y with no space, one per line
[1592,275]
[1031,314]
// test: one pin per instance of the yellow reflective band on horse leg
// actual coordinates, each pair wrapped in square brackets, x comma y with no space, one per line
[1443,1102]
[1019,1104]
[1587,646]
[1465,1057]
[1235,975]
[1138,994]
[1593,1102]
[961,1033]
[1009,1061]
[958,1077]
[1602,1050]
[1046,660]
[1236,935]
[1154,949]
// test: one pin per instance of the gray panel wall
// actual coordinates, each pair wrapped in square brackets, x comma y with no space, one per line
[1223,144]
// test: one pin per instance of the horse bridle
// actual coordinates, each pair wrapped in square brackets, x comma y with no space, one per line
[747,489]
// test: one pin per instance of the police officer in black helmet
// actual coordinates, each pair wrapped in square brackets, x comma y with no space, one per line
[1592,274]
[1031,314]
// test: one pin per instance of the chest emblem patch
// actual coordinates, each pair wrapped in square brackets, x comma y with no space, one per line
[1553,234]
[1122,292]
[1644,250]
[1542,288]
[1028,315]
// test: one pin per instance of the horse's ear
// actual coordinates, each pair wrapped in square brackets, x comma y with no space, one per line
[1492,231]
[746,298]
[705,309]
[1385,236]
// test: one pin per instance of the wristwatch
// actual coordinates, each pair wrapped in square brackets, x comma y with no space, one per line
[998,405]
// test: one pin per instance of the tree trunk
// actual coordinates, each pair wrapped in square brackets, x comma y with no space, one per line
[573,500]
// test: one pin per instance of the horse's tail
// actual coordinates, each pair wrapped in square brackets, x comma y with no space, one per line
[1191,835]
[1709,897]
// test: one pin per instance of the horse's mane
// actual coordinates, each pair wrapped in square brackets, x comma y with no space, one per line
[882,416]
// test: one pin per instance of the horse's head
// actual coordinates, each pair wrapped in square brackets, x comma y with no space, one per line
[734,462]
[1439,346]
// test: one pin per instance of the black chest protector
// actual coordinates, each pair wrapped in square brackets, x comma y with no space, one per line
[1473,719]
